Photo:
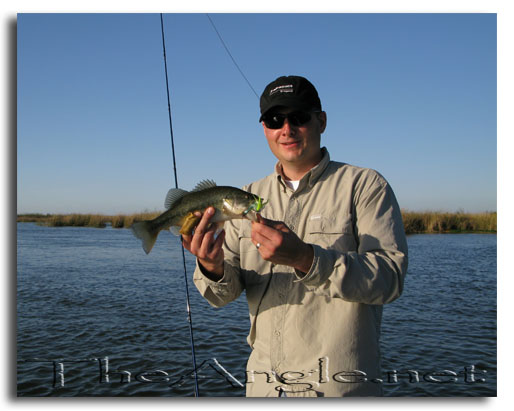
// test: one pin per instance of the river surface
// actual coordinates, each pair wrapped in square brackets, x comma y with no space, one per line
[96,316]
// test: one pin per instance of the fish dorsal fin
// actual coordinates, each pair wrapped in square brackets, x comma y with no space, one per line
[173,195]
[204,184]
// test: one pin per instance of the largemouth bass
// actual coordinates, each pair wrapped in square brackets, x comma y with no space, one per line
[229,203]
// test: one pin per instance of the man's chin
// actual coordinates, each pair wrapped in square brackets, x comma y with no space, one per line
[291,154]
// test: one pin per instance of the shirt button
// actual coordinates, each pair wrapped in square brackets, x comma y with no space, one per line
[277,333]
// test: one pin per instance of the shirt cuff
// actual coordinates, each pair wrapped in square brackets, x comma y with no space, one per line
[321,268]
[223,287]
[207,274]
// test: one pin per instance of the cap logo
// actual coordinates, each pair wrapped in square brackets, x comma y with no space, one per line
[288,88]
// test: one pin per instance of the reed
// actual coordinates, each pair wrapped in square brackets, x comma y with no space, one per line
[75,220]
[86,220]
[443,222]
[125,221]
[413,221]
[32,218]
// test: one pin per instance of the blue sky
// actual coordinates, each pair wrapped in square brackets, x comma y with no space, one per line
[410,95]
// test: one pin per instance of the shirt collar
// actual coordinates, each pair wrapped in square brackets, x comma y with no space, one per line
[312,176]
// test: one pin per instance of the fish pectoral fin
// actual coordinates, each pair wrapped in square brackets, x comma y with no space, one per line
[175,230]
[219,227]
[190,222]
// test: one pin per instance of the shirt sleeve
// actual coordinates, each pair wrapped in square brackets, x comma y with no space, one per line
[230,286]
[373,274]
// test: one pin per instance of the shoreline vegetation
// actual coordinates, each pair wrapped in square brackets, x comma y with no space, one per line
[428,222]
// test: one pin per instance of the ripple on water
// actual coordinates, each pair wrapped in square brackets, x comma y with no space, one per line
[92,293]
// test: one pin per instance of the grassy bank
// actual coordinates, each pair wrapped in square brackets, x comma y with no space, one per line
[85,220]
[414,222]
[439,222]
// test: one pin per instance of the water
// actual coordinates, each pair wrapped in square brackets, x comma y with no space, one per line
[446,318]
[92,305]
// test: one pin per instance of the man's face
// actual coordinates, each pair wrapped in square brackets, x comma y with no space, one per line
[296,145]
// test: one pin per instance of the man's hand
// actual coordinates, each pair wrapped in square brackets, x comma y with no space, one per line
[205,247]
[280,245]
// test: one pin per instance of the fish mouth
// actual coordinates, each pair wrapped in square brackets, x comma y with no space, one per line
[256,206]
[251,215]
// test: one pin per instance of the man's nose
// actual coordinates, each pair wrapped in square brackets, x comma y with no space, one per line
[287,128]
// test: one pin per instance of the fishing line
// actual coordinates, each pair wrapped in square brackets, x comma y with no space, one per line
[188,306]
[230,55]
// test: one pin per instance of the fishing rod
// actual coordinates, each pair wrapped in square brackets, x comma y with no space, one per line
[188,305]
[231,56]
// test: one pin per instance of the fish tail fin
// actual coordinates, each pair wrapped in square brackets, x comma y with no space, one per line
[143,230]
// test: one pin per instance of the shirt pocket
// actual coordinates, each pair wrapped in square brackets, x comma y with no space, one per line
[332,232]
[245,238]
[255,269]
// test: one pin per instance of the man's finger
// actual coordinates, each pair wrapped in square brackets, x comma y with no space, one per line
[267,237]
[186,241]
[267,221]
[203,225]
[201,228]
[271,233]
[277,225]
[207,242]
[218,244]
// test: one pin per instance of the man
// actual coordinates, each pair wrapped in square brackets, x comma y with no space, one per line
[327,253]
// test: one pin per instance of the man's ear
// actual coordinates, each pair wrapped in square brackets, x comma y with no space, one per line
[322,118]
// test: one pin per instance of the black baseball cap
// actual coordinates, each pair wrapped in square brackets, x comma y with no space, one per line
[290,91]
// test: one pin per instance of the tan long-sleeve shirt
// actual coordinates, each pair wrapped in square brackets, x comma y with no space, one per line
[318,334]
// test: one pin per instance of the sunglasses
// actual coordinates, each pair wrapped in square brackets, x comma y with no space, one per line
[295,118]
